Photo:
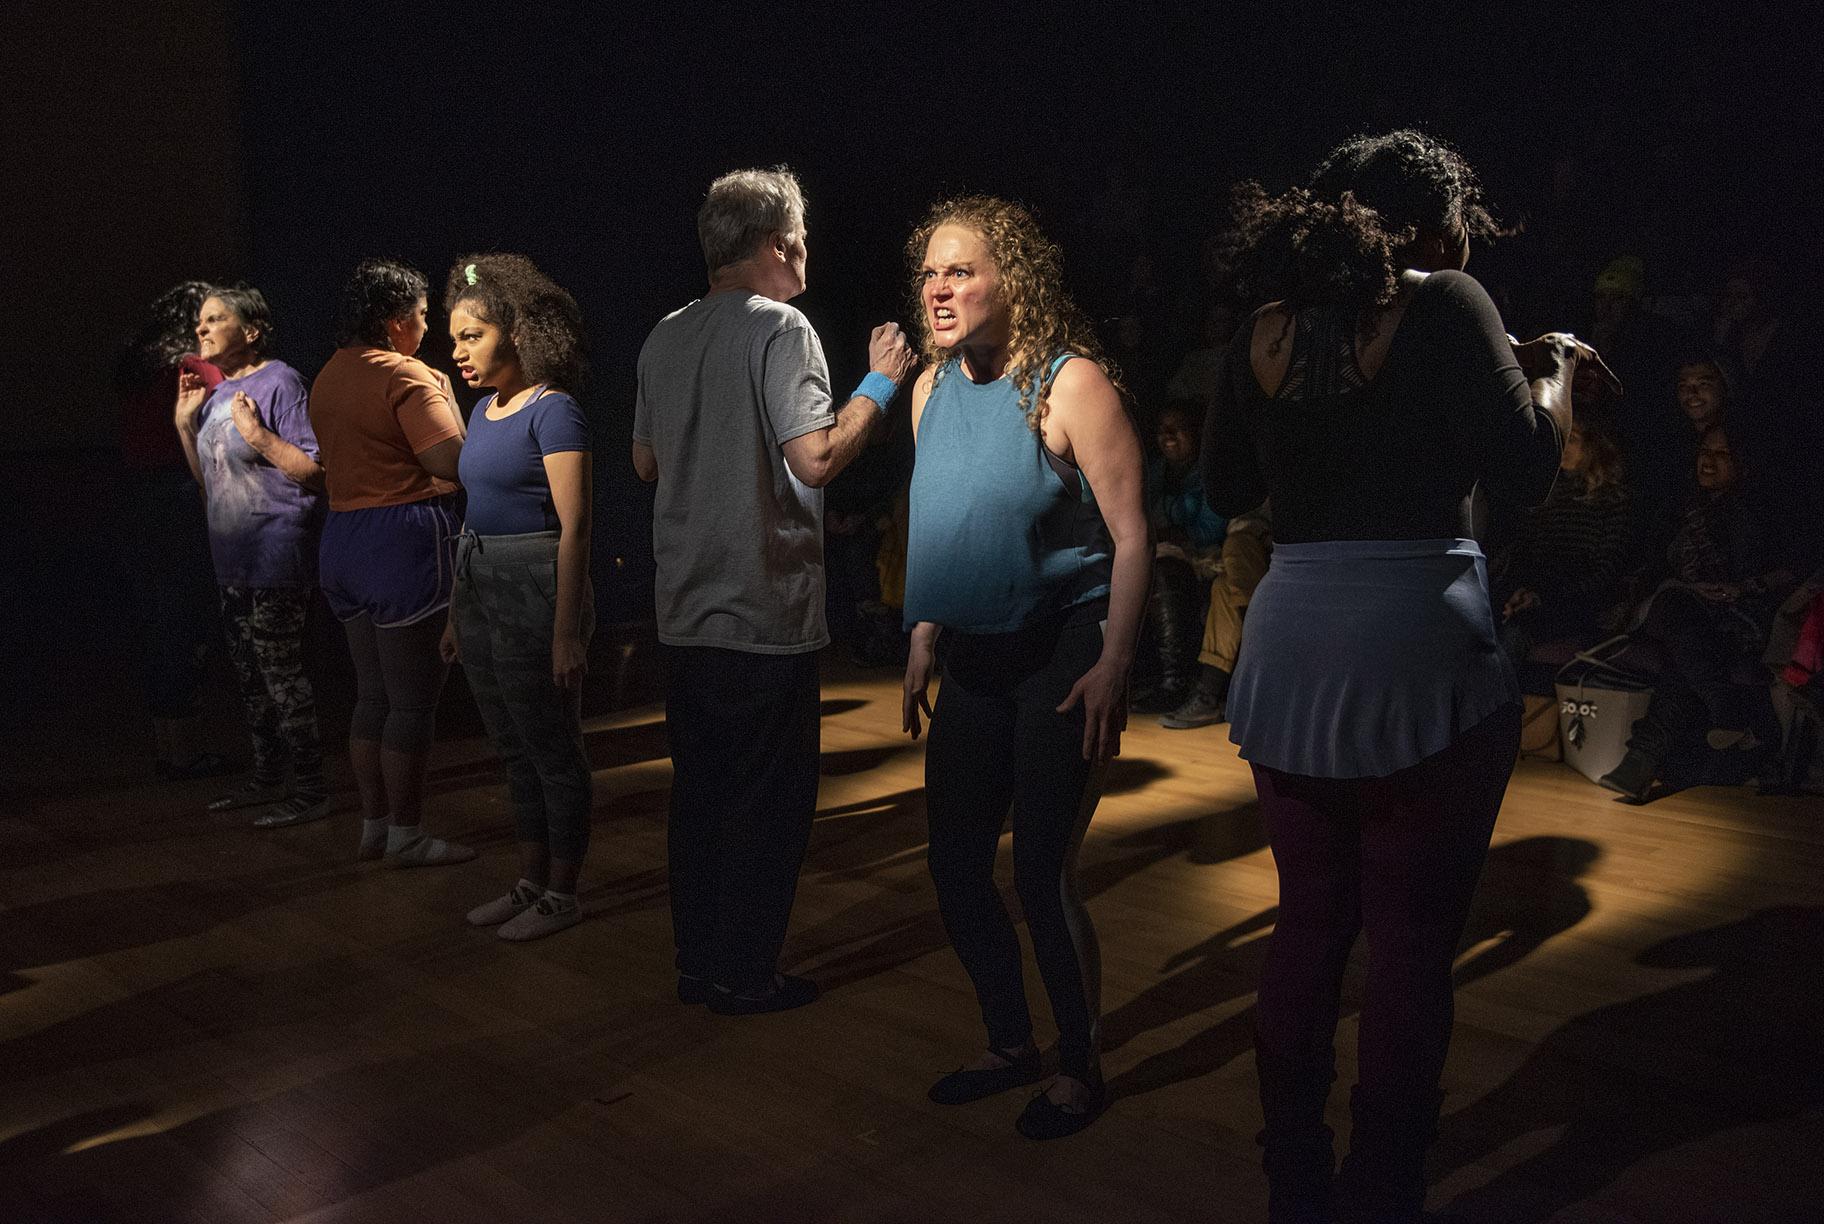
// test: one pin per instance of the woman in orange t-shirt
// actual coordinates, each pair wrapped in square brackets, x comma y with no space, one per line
[390,437]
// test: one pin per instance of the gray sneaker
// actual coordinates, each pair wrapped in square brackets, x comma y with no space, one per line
[1197,711]
[294,809]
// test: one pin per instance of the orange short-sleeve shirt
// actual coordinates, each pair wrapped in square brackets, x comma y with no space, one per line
[374,411]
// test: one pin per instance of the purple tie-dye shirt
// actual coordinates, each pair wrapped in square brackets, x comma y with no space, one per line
[263,526]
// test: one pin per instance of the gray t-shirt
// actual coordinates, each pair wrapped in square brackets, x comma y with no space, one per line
[724,384]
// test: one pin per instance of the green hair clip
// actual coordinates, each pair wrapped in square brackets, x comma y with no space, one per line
[469,272]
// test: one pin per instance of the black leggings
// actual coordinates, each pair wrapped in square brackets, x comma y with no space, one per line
[998,744]
[399,675]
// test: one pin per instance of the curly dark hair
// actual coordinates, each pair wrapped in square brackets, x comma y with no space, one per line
[167,336]
[249,306]
[1339,240]
[541,320]
[379,291]
[1043,321]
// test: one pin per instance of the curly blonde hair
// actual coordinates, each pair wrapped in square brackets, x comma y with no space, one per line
[1042,320]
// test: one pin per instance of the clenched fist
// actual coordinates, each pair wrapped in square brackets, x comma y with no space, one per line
[889,354]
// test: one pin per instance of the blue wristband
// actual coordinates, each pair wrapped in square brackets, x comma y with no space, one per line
[877,387]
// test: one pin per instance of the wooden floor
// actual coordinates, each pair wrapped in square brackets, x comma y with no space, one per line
[203,1022]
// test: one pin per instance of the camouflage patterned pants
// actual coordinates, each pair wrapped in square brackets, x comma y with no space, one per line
[266,641]
[504,609]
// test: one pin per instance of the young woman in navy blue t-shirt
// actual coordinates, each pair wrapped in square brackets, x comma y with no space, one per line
[522,611]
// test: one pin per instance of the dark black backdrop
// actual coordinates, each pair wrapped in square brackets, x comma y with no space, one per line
[584,135]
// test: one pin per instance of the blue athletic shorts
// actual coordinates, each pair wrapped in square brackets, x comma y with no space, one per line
[393,563]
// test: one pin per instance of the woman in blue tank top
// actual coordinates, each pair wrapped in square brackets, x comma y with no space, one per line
[1037,584]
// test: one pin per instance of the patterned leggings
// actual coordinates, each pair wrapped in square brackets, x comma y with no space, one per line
[266,641]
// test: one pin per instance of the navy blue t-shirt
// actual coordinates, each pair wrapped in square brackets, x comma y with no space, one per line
[503,463]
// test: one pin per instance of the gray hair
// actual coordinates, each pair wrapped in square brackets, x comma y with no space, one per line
[742,208]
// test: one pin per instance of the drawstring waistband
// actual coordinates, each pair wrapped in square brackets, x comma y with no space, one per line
[533,546]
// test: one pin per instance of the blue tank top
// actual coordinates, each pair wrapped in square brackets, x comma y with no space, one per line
[1002,532]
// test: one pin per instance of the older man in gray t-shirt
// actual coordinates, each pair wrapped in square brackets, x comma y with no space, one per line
[735,423]
[725,384]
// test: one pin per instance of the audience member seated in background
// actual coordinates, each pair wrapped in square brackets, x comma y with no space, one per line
[1559,578]
[1775,421]
[1659,481]
[1642,349]
[1709,619]
[1747,325]
[1702,391]
[1245,549]
[1200,369]
[1187,544]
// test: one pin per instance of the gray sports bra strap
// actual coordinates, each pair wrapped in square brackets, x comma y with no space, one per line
[1068,474]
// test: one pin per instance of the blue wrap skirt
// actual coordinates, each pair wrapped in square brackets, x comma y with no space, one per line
[1362,657]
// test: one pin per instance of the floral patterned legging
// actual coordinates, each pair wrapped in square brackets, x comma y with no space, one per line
[266,641]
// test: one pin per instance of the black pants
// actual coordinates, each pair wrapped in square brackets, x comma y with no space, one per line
[1690,644]
[998,745]
[1561,618]
[743,730]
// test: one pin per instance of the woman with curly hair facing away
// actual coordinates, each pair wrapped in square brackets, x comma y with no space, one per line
[1371,696]
[391,437]
[522,612]
[1038,585]
[249,444]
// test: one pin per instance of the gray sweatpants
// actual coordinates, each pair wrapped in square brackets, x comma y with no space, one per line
[504,608]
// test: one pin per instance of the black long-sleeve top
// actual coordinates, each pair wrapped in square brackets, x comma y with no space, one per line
[1394,457]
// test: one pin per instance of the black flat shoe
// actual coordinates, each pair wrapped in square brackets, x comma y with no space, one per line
[1633,777]
[693,989]
[1043,1120]
[962,1085]
[783,993]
